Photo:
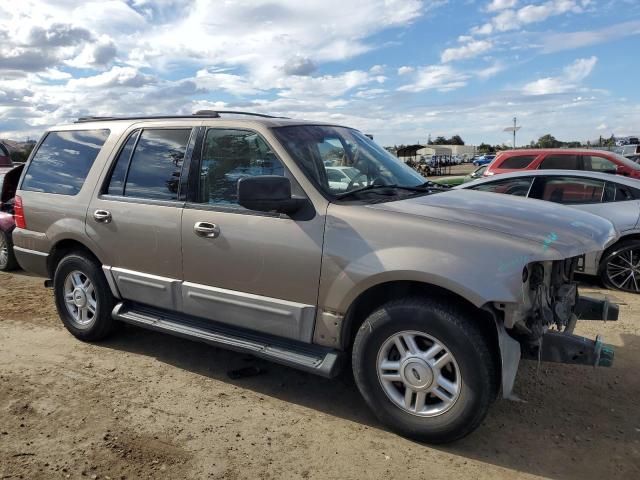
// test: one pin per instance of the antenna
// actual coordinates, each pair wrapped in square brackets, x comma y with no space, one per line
[513,129]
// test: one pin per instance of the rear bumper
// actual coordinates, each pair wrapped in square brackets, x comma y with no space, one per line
[32,261]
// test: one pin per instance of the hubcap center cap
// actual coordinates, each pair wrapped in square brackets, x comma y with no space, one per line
[417,373]
[79,298]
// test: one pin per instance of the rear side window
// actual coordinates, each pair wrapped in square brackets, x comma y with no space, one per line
[518,161]
[571,190]
[63,161]
[599,164]
[119,174]
[156,164]
[562,162]
[3,151]
[510,186]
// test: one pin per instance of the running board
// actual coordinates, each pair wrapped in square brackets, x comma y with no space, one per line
[315,359]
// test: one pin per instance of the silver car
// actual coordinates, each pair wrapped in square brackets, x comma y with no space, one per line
[179,224]
[614,197]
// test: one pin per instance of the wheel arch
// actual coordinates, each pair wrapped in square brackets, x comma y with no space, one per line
[62,248]
[614,246]
[379,294]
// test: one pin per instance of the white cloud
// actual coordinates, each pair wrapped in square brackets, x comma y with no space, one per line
[515,18]
[572,75]
[559,41]
[116,77]
[436,77]
[497,5]
[469,50]
[404,70]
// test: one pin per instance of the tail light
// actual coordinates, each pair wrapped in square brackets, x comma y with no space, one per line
[18,213]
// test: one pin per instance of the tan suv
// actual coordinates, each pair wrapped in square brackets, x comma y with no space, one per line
[226,229]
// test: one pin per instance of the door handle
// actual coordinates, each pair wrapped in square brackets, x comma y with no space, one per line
[206,229]
[102,216]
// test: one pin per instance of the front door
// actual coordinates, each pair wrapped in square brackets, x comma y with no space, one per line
[254,270]
[135,220]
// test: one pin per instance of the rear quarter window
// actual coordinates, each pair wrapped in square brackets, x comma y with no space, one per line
[517,161]
[63,160]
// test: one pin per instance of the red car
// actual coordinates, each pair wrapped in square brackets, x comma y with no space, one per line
[8,182]
[562,159]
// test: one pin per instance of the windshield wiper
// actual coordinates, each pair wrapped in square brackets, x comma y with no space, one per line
[425,187]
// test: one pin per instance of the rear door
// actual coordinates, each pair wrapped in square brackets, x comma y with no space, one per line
[254,270]
[135,217]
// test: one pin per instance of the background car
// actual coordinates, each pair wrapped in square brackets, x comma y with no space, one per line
[483,160]
[460,179]
[5,158]
[615,198]
[563,159]
[8,182]
[341,177]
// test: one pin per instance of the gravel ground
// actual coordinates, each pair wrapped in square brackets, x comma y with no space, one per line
[146,405]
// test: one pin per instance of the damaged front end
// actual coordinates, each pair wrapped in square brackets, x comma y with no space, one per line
[541,326]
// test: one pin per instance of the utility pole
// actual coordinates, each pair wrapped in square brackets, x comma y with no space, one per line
[513,129]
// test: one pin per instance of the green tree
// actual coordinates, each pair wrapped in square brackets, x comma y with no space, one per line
[485,148]
[456,140]
[548,141]
[440,141]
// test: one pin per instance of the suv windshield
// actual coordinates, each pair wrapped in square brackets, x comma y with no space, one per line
[318,148]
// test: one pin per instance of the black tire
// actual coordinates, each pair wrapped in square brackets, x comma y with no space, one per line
[10,263]
[456,332]
[606,270]
[101,324]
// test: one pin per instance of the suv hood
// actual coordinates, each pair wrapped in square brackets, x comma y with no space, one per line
[567,230]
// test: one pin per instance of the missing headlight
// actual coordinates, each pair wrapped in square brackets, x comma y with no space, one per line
[537,276]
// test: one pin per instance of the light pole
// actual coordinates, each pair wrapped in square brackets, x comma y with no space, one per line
[513,129]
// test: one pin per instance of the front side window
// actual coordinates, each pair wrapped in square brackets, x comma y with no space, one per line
[518,162]
[560,162]
[511,186]
[569,190]
[156,164]
[230,155]
[318,149]
[599,164]
[63,160]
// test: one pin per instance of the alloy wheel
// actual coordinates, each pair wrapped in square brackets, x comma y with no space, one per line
[80,298]
[4,252]
[623,270]
[418,373]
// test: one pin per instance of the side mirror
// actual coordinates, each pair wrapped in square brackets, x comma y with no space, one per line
[268,193]
[621,170]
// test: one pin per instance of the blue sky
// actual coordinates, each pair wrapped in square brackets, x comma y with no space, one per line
[398,69]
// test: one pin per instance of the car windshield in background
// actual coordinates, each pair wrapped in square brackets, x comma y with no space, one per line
[321,150]
[626,161]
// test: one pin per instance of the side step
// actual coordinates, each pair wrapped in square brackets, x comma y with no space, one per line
[315,359]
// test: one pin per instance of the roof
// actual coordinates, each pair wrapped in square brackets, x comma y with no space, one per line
[236,116]
[538,151]
[609,177]
[409,150]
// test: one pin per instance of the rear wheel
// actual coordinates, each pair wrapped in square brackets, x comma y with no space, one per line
[620,267]
[424,369]
[83,297]
[7,258]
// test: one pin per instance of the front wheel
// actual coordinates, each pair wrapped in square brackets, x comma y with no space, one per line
[424,369]
[620,267]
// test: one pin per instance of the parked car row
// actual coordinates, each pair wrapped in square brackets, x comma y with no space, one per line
[613,197]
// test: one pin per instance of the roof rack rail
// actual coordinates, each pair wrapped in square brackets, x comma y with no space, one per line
[198,114]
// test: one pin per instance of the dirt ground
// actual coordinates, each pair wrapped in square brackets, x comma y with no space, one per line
[146,405]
